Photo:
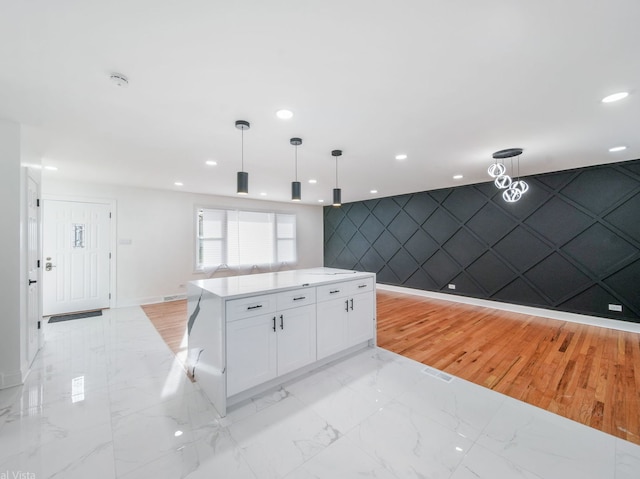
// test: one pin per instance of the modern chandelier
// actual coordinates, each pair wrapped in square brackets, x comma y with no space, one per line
[513,189]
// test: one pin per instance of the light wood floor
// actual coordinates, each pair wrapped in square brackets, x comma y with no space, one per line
[170,319]
[584,373]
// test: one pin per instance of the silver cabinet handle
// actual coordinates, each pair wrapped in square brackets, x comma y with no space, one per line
[249,308]
[334,291]
[299,298]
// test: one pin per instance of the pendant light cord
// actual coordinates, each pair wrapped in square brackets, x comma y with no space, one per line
[296,162]
[336,171]
[242,149]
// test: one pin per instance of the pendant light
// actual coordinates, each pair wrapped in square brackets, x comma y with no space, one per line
[296,189]
[337,193]
[243,176]
[513,189]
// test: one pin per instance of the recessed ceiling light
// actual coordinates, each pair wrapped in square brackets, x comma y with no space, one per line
[457,177]
[401,157]
[313,182]
[320,201]
[617,148]
[263,194]
[51,168]
[211,162]
[284,114]
[177,433]
[179,183]
[615,97]
[373,192]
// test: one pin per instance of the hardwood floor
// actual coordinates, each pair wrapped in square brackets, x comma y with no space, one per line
[170,319]
[584,373]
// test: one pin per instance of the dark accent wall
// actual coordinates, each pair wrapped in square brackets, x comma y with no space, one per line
[572,243]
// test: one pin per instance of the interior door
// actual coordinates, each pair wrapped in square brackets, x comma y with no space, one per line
[33,296]
[76,254]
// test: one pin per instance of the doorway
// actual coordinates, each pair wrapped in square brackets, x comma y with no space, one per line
[77,255]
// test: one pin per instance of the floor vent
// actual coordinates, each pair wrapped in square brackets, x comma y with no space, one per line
[174,297]
[447,378]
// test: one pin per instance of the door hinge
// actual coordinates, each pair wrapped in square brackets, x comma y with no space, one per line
[38,202]
[38,324]
[109,255]
[109,295]
[109,214]
[38,263]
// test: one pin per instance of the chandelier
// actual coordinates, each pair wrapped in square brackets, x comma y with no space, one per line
[513,189]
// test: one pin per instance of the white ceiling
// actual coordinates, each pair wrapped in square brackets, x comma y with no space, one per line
[445,82]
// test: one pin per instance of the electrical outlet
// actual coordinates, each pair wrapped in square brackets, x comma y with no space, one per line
[615,307]
[452,286]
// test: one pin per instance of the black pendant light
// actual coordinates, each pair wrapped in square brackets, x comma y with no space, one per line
[337,193]
[296,189]
[243,176]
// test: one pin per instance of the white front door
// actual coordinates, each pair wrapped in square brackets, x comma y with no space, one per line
[33,296]
[76,256]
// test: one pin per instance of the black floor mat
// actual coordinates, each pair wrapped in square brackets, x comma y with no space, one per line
[67,317]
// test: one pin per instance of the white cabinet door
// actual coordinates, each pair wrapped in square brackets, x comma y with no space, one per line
[296,338]
[332,328]
[361,321]
[251,352]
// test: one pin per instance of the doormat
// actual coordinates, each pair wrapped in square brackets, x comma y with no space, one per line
[67,317]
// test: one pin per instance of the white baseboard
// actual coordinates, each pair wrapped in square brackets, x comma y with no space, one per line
[516,308]
[10,379]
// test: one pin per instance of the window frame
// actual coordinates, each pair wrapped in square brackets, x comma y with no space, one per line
[199,268]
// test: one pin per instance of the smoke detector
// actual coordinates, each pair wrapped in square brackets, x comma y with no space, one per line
[119,79]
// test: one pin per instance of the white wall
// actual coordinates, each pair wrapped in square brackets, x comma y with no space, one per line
[12,294]
[161,227]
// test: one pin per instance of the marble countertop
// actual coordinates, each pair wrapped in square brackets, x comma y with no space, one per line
[234,286]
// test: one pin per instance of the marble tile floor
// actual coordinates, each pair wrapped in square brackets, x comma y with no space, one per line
[107,399]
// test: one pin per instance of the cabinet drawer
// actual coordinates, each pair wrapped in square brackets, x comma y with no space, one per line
[247,307]
[361,286]
[332,291]
[295,298]
[344,288]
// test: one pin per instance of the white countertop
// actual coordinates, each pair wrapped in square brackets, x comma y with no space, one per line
[250,284]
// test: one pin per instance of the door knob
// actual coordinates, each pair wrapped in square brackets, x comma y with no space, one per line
[48,266]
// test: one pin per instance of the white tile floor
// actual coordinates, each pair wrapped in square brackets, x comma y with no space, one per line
[106,399]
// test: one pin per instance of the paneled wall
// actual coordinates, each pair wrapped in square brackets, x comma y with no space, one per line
[572,243]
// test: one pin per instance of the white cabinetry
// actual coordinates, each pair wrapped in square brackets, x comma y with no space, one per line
[345,315]
[250,333]
[251,352]
[262,347]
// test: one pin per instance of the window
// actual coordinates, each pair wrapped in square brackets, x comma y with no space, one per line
[244,238]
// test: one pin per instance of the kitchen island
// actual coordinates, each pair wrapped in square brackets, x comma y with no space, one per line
[250,333]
